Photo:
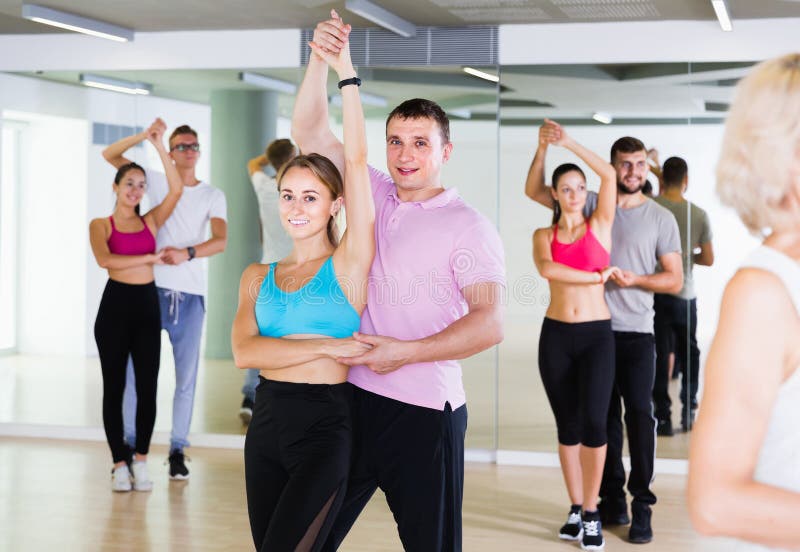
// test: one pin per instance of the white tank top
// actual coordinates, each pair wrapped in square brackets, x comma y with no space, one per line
[779,459]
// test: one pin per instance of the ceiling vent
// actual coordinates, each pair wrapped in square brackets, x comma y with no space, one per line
[607,9]
[375,47]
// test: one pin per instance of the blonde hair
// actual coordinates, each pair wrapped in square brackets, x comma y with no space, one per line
[327,173]
[760,145]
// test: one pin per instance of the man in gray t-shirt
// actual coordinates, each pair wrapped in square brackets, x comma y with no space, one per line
[644,235]
[676,315]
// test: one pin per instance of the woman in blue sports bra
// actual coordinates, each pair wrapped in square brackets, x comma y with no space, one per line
[295,318]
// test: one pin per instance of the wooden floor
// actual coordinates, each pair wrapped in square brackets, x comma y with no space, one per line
[55,495]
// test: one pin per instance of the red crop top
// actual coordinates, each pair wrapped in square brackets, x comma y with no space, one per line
[586,253]
[131,243]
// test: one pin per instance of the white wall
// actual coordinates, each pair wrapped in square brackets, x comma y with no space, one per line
[154,50]
[52,235]
[646,41]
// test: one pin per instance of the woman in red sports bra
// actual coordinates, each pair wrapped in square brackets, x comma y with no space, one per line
[128,320]
[576,346]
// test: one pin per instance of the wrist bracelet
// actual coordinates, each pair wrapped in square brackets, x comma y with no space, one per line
[352,80]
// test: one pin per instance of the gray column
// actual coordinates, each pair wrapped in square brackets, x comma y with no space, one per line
[242,123]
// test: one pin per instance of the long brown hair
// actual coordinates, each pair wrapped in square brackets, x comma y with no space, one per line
[327,173]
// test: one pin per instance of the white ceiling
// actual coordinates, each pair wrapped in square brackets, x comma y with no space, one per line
[667,91]
[160,15]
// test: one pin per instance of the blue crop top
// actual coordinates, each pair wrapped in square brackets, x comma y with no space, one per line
[319,307]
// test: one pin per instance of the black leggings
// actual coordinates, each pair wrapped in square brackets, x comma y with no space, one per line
[576,362]
[296,460]
[128,323]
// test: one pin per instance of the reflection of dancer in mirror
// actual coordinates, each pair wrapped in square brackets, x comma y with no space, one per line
[676,315]
[128,320]
[746,432]
[410,407]
[181,280]
[275,242]
[295,319]
[576,346]
[643,234]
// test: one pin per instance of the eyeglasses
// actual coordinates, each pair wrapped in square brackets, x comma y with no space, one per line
[185,147]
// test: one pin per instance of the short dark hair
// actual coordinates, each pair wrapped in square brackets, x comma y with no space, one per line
[279,152]
[674,171]
[626,144]
[419,108]
[183,129]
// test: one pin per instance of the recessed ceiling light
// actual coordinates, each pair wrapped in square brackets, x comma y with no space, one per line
[77,23]
[116,85]
[268,82]
[481,74]
[601,117]
[382,17]
[723,14]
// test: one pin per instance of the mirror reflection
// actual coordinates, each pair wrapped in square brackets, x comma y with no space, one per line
[235,118]
[676,111]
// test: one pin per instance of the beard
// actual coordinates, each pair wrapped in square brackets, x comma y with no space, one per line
[621,188]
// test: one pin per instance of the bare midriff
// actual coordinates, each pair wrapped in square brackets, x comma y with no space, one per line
[142,274]
[321,371]
[573,303]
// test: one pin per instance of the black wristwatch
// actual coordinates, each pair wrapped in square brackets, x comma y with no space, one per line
[191,252]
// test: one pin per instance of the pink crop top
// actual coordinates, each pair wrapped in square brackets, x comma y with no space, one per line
[131,243]
[585,253]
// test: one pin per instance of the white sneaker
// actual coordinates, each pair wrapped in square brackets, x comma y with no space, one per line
[121,479]
[141,479]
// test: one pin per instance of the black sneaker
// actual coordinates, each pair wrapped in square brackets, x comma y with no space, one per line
[641,531]
[613,512]
[664,428]
[177,466]
[592,532]
[572,530]
[246,411]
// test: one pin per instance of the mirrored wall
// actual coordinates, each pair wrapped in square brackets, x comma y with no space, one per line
[55,180]
[676,109]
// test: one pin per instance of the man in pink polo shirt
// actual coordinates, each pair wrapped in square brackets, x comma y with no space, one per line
[435,297]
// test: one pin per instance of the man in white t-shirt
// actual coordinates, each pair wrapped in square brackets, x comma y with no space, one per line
[275,242]
[182,281]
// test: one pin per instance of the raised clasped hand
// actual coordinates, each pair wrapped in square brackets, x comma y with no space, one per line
[331,43]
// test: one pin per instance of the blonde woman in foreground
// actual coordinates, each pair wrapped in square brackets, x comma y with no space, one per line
[744,462]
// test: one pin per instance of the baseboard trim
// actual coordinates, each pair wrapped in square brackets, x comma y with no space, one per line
[227,441]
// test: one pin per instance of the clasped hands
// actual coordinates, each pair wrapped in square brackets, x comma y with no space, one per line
[379,353]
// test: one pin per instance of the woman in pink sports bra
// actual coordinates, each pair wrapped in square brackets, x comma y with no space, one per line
[128,320]
[576,346]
